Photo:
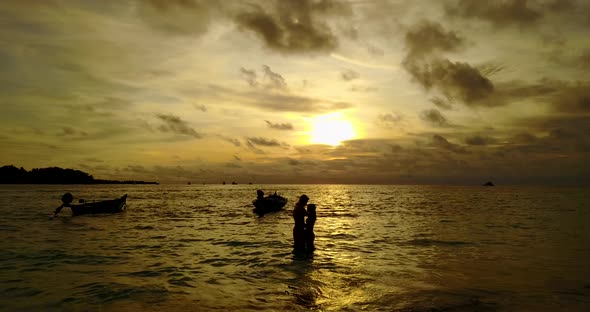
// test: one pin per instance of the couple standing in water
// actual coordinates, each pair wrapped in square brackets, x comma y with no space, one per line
[303,236]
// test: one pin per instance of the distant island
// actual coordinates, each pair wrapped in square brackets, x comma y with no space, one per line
[53,175]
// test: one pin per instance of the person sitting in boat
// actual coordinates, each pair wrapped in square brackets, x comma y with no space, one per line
[260,194]
[309,223]
[299,214]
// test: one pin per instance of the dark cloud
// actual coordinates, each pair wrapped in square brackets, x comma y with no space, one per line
[294,103]
[563,96]
[440,142]
[272,80]
[522,13]
[69,131]
[349,75]
[584,57]
[182,17]
[302,162]
[294,26]
[201,107]
[499,13]
[441,103]
[389,120]
[259,141]
[571,97]
[523,137]
[254,142]
[490,69]
[455,80]
[434,117]
[375,50]
[250,76]
[233,141]
[293,162]
[427,38]
[176,125]
[479,140]
[279,126]
[276,81]
[363,146]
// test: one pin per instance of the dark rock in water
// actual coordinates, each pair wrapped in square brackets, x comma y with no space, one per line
[489,183]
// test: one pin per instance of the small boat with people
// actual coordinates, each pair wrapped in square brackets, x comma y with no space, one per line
[268,204]
[92,207]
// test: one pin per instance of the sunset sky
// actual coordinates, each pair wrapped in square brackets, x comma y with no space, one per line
[359,91]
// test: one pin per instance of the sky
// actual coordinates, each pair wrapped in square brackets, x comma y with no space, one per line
[307,91]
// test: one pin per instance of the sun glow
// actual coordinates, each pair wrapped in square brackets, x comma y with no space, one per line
[331,130]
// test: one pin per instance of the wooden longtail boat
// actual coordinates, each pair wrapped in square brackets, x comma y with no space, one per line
[104,206]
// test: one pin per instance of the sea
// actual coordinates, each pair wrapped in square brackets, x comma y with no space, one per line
[378,248]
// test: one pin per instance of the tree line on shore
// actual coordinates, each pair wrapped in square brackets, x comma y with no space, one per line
[53,175]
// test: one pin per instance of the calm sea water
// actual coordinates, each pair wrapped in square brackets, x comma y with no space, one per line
[388,248]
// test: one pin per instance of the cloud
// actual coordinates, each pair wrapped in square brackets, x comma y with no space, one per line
[254,142]
[506,13]
[250,76]
[500,13]
[176,125]
[364,89]
[573,97]
[276,81]
[440,142]
[584,57]
[201,107]
[562,96]
[232,165]
[479,140]
[294,26]
[434,117]
[364,146]
[389,120]
[178,17]
[259,141]
[295,103]
[523,137]
[441,103]
[279,126]
[69,131]
[233,141]
[273,80]
[267,100]
[426,38]
[455,80]
[349,75]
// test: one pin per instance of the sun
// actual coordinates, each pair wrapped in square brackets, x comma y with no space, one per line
[331,130]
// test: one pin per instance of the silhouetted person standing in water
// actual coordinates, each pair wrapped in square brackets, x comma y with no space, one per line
[310,222]
[299,214]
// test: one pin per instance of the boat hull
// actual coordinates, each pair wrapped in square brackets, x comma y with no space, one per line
[268,205]
[107,206]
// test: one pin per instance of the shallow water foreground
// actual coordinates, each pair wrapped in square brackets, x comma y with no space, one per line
[388,248]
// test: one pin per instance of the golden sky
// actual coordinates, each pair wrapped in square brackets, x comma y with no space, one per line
[307,91]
